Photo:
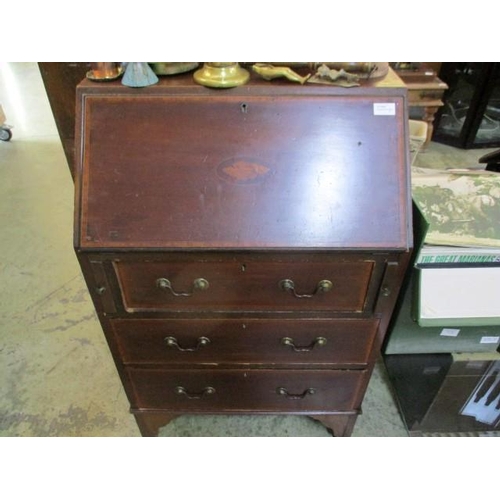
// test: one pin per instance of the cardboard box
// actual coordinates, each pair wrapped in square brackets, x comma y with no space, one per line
[418,135]
[2,116]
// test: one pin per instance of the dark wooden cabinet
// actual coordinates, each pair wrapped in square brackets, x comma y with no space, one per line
[244,248]
[447,394]
[60,80]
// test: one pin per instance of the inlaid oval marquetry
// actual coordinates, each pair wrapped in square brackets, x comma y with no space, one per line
[243,171]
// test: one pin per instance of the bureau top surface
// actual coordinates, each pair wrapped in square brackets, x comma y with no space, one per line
[263,166]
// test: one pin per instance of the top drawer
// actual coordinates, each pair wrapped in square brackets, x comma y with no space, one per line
[225,282]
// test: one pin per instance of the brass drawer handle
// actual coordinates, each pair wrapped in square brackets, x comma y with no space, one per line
[199,284]
[208,391]
[283,392]
[323,286]
[172,342]
[318,341]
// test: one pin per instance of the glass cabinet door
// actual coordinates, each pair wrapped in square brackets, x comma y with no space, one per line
[470,117]
[488,132]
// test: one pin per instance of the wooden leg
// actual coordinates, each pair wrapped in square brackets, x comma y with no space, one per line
[149,423]
[339,425]
[430,112]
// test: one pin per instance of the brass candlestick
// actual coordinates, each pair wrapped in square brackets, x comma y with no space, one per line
[221,75]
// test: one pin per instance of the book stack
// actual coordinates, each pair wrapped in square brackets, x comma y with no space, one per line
[458,264]
[441,350]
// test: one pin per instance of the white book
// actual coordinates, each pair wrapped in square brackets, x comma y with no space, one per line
[458,296]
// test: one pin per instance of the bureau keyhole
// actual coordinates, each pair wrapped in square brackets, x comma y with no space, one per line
[243,267]
[244,107]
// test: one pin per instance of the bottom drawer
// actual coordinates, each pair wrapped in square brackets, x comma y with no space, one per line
[299,391]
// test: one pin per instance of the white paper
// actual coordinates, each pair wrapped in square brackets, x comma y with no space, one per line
[449,332]
[384,108]
[431,370]
[475,365]
[490,340]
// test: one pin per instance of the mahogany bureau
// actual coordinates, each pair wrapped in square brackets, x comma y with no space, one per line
[244,248]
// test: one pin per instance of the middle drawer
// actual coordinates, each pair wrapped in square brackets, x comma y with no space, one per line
[258,341]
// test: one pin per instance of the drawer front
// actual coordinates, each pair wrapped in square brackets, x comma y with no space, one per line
[246,390]
[186,341]
[229,284]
